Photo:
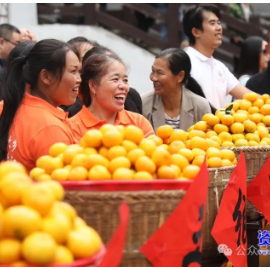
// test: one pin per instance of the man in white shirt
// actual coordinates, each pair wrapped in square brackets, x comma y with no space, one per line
[202,27]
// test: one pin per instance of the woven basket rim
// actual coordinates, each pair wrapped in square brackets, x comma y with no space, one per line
[260,148]
[227,168]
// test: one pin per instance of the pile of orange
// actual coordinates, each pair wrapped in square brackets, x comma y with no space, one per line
[36,227]
[244,122]
[117,152]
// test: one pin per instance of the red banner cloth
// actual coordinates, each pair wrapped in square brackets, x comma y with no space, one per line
[229,229]
[114,254]
[258,191]
[178,241]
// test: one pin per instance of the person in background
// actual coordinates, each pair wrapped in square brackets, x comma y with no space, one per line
[31,122]
[10,36]
[254,57]
[240,11]
[104,89]
[172,101]
[203,28]
[27,35]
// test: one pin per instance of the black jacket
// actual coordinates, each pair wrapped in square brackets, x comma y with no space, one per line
[3,70]
[260,82]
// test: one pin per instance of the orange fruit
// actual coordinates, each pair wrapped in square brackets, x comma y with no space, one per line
[57,226]
[250,126]
[164,132]
[198,161]
[263,143]
[57,149]
[147,146]
[245,104]
[263,132]
[20,221]
[175,146]
[211,133]
[243,112]
[119,162]
[201,125]
[107,127]
[142,176]
[264,97]
[157,140]
[62,255]
[197,142]
[187,153]
[240,117]
[227,144]
[133,155]
[35,173]
[71,151]
[56,188]
[112,138]
[198,152]
[83,242]
[145,164]
[251,96]
[134,134]
[213,152]
[190,128]
[241,142]
[166,172]
[219,113]
[10,251]
[13,186]
[121,129]
[98,160]
[44,178]
[225,136]
[258,103]
[39,248]
[64,208]
[236,136]
[7,167]
[220,128]
[78,223]
[256,117]
[227,154]
[60,174]
[252,137]
[210,119]
[235,105]
[227,119]
[216,139]
[129,145]
[178,135]
[214,162]
[39,197]
[187,144]
[123,174]
[196,133]
[253,143]
[212,143]
[161,157]
[99,172]
[89,151]
[78,173]
[191,171]
[265,139]
[46,163]
[237,128]
[180,161]
[81,160]
[253,110]
[265,109]
[116,151]
[103,151]
[225,163]
[266,120]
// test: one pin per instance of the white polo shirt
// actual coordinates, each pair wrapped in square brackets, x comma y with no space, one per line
[213,76]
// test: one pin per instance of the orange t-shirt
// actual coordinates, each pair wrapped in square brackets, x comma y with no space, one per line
[1,106]
[37,125]
[84,120]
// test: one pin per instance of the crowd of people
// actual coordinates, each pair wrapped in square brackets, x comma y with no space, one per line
[54,91]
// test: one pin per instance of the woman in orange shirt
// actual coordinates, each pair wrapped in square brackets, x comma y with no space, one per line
[104,89]
[31,122]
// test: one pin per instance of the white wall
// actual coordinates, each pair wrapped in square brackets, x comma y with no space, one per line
[138,60]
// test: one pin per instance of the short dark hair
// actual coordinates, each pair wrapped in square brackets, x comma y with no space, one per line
[97,50]
[6,30]
[77,41]
[194,18]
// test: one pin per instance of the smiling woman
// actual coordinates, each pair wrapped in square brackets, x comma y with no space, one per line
[104,89]
[31,123]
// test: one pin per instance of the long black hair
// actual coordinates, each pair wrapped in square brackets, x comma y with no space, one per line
[178,61]
[49,54]
[249,61]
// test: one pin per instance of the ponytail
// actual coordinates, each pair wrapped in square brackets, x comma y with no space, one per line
[13,93]
[194,87]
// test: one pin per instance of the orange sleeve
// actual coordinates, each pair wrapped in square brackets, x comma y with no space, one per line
[144,125]
[44,139]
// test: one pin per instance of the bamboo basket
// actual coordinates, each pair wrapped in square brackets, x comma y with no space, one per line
[148,210]
[218,180]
